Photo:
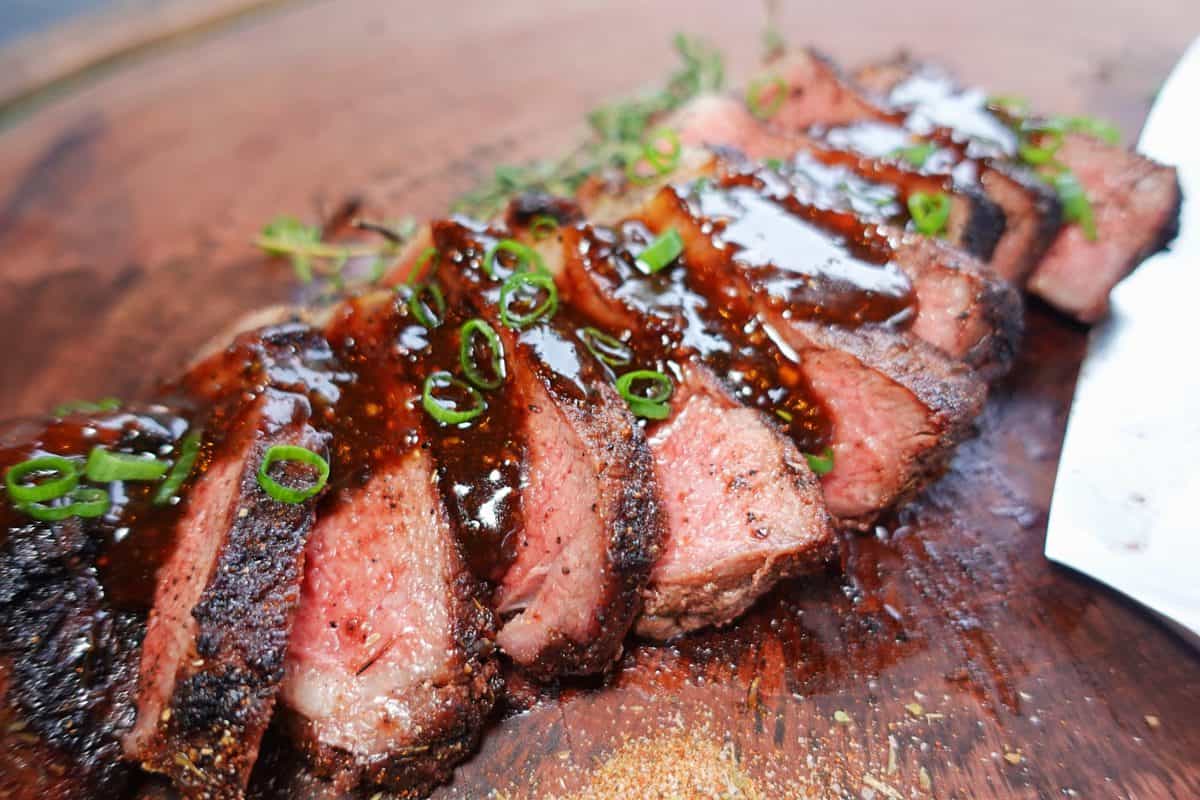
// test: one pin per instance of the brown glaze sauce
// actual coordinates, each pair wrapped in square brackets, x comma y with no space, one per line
[133,538]
[380,418]
[481,463]
[823,263]
[693,311]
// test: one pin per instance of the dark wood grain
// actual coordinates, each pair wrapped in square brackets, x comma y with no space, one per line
[125,214]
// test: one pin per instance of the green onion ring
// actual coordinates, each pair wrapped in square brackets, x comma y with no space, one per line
[665,248]
[87,407]
[758,88]
[661,162]
[422,260]
[439,410]
[543,226]
[527,258]
[1090,126]
[609,349]
[67,479]
[189,449]
[930,212]
[429,315]
[466,353]
[515,283]
[86,501]
[1038,154]
[820,464]
[104,466]
[916,155]
[1077,207]
[652,406]
[1011,104]
[290,452]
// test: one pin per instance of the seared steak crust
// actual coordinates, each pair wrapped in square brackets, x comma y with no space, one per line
[67,671]
[214,650]
[1135,201]
[591,524]
[391,670]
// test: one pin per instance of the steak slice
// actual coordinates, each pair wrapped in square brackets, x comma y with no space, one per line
[213,654]
[1135,201]
[877,189]
[589,525]
[946,297]
[389,674]
[897,407]
[825,103]
[742,508]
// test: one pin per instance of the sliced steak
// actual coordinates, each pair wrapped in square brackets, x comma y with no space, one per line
[895,406]
[213,654]
[877,189]
[824,103]
[743,510]
[389,675]
[1135,201]
[586,525]
[742,507]
[784,223]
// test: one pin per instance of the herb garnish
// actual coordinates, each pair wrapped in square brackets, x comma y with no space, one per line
[618,131]
[310,256]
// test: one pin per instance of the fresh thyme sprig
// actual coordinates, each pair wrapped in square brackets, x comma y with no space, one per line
[310,255]
[618,130]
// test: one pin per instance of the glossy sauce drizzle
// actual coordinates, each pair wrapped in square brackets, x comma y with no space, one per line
[133,538]
[823,264]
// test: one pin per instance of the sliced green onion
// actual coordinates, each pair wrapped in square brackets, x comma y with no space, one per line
[1041,152]
[930,212]
[1011,104]
[1096,128]
[66,478]
[609,349]
[189,448]
[447,410]
[290,452]
[652,405]
[662,162]
[104,466]
[775,164]
[916,154]
[86,501]
[756,96]
[466,353]
[820,464]
[521,282]
[543,226]
[429,314]
[528,259]
[661,252]
[1077,207]
[786,416]
[87,407]
[419,265]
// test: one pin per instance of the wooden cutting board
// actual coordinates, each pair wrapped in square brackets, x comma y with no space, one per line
[949,660]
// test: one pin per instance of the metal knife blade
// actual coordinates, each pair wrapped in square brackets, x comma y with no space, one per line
[1124,509]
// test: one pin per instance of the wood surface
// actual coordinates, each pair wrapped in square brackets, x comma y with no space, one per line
[101,35]
[949,660]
